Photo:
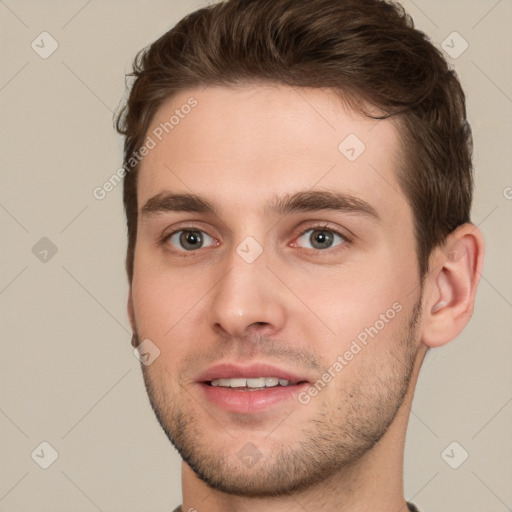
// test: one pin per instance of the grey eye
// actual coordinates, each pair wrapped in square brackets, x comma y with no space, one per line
[189,239]
[320,238]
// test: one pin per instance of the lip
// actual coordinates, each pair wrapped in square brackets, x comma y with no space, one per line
[227,370]
[246,401]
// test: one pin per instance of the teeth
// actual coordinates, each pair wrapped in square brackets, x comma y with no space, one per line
[254,383]
[270,382]
[237,383]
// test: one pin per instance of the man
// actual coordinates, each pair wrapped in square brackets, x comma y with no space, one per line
[298,190]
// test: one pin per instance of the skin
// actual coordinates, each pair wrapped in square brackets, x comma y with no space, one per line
[295,306]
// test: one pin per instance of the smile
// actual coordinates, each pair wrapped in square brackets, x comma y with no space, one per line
[251,383]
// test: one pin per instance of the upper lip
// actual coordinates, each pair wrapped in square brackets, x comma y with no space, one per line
[233,371]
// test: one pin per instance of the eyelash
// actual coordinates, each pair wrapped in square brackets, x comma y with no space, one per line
[317,227]
[325,227]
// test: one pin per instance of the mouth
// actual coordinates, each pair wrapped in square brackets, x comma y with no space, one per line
[250,389]
[251,383]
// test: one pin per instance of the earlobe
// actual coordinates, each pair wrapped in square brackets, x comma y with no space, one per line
[450,287]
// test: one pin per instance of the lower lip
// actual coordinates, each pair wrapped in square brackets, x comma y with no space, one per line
[246,401]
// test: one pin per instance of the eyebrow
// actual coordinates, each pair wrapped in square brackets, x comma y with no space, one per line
[316,200]
[306,201]
[169,202]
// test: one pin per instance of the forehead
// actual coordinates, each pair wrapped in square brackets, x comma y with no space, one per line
[240,146]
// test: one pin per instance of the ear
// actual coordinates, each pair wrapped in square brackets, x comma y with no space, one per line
[450,286]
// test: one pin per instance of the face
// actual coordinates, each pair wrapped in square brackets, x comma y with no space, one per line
[275,271]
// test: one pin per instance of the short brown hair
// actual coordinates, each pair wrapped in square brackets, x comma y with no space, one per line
[367,50]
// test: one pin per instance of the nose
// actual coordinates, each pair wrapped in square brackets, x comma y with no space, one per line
[247,299]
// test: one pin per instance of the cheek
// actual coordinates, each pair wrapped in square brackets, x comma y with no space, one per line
[162,313]
[364,315]
[365,302]
[161,300]
[365,285]
[171,303]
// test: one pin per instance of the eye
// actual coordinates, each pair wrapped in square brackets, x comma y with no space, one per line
[321,238]
[189,239]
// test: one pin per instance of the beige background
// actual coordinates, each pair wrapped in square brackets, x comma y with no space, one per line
[68,375]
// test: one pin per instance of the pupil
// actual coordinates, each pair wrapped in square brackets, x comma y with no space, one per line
[191,239]
[322,238]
